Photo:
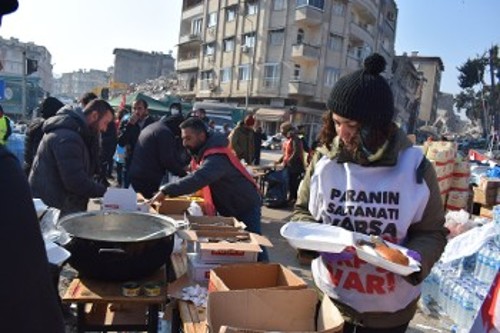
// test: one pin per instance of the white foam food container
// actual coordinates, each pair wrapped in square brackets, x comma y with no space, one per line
[326,238]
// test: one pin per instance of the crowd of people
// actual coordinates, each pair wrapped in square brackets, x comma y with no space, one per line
[71,151]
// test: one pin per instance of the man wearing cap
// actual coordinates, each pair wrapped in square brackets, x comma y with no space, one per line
[367,177]
[5,127]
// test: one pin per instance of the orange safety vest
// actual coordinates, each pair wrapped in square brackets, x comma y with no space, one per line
[205,191]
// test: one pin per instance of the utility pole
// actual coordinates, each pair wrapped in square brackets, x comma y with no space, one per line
[24,84]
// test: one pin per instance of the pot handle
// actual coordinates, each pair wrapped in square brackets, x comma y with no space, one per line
[111,250]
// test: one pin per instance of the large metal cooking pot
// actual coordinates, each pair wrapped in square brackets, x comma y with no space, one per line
[118,245]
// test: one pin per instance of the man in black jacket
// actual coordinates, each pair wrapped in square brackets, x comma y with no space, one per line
[62,173]
[155,154]
[129,131]
[34,134]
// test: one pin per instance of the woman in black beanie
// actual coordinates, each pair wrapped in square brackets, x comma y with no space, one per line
[367,177]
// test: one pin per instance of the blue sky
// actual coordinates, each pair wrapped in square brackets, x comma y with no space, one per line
[81,34]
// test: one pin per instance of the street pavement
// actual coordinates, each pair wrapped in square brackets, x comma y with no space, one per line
[426,320]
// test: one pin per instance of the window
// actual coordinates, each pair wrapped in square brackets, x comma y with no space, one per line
[313,3]
[225,75]
[251,7]
[230,13]
[278,4]
[338,8]
[300,36]
[335,42]
[244,72]
[207,79]
[196,25]
[276,37]
[212,19]
[248,39]
[228,44]
[209,49]
[271,75]
[331,76]
[296,73]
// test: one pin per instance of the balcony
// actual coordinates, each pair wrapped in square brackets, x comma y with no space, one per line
[366,8]
[361,33]
[187,64]
[195,10]
[190,38]
[305,52]
[308,15]
[296,87]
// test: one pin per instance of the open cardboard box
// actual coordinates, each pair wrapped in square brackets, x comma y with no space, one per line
[266,310]
[225,251]
[214,223]
[253,276]
[178,205]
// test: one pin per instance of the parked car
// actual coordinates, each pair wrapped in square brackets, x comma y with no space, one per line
[274,142]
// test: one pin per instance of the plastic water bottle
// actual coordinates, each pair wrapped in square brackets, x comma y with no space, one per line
[478,270]
[468,310]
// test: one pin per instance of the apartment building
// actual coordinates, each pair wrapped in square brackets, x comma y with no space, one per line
[22,90]
[276,57]
[430,68]
[406,85]
[134,66]
[74,84]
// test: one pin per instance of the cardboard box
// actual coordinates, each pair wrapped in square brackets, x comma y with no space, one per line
[199,271]
[226,249]
[178,205]
[264,310]
[486,212]
[214,223]
[487,184]
[254,276]
[486,198]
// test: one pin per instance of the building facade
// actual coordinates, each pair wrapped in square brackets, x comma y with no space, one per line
[133,66]
[280,58]
[20,90]
[406,85]
[430,68]
[73,85]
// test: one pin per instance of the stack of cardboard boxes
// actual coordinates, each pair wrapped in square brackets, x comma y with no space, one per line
[459,193]
[216,240]
[442,155]
[487,194]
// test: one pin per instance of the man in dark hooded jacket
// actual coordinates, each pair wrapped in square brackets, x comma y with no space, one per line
[34,134]
[155,154]
[65,162]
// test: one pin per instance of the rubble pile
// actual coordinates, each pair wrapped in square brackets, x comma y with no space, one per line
[156,88]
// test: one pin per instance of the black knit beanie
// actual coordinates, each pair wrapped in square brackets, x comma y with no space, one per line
[49,107]
[364,96]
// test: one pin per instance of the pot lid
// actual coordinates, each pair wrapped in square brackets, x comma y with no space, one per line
[117,226]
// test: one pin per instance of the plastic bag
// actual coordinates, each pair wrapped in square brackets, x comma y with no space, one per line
[194,209]
[48,226]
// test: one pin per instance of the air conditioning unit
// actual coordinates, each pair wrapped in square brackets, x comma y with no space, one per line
[245,49]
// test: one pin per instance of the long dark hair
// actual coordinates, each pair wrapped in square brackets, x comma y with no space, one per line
[371,137]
